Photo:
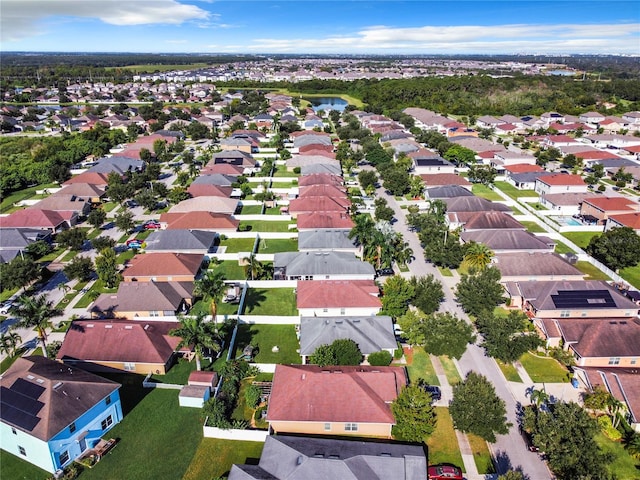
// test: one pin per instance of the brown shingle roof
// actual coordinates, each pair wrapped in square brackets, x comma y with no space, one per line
[324,220]
[492,221]
[337,294]
[319,179]
[199,221]
[319,204]
[32,217]
[561,179]
[163,264]
[602,337]
[308,393]
[75,392]
[532,264]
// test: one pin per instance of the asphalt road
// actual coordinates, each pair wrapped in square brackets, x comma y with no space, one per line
[510,450]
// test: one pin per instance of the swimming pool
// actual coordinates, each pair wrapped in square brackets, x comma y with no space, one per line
[566,220]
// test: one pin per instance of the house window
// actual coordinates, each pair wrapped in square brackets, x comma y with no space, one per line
[154,313]
[327,427]
[64,457]
[129,367]
[633,361]
[614,361]
[308,277]
[13,430]
[325,310]
[72,427]
[107,422]
[107,400]
[564,313]
[22,451]
[584,314]
[343,311]
[350,427]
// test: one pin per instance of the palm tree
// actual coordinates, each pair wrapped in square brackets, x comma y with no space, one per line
[63,287]
[8,343]
[613,409]
[211,288]
[478,255]
[36,312]
[632,444]
[538,397]
[197,334]
[253,267]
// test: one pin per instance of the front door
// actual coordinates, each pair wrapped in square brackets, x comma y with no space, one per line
[83,444]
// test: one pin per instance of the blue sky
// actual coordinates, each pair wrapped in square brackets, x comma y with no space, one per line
[307,26]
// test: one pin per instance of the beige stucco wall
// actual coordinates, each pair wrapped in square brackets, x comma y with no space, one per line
[604,362]
[98,366]
[382,430]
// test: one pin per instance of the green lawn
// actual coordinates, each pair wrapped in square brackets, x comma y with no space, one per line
[562,248]
[235,245]
[251,210]
[271,301]
[125,256]
[421,367]
[532,227]
[51,256]
[223,308]
[450,370]
[214,458]
[445,272]
[283,184]
[157,439]
[9,200]
[509,371]
[99,287]
[265,337]
[581,239]
[281,171]
[277,245]
[178,374]
[265,226]
[592,272]
[631,275]
[15,468]
[623,466]
[230,269]
[514,192]
[544,369]
[70,255]
[483,191]
[443,443]
[109,206]
[481,454]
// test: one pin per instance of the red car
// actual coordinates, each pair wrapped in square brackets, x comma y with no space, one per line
[444,472]
[151,225]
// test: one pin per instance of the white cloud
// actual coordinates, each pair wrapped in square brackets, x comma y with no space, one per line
[558,38]
[22,18]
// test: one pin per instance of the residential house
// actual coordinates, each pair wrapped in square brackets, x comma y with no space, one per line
[15,241]
[322,298]
[445,179]
[594,118]
[345,400]
[242,143]
[51,414]
[631,220]
[570,299]
[320,179]
[223,205]
[318,204]
[92,178]
[502,160]
[299,161]
[560,183]
[483,221]
[324,221]
[595,342]
[118,163]
[613,140]
[534,266]
[632,118]
[320,266]
[566,203]
[426,162]
[506,240]
[448,191]
[525,180]
[287,457]
[473,204]
[152,299]
[207,190]
[182,241]
[327,240]
[163,267]
[120,345]
[371,333]
[212,222]
[95,194]
[34,218]
[601,208]
[331,169]
[322,190]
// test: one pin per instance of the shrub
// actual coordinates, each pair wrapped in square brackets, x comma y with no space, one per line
[380,359]
[398,352]
[604,422]
[252,396]
[297,170]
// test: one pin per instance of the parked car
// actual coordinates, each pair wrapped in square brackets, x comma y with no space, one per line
[5,307]
[134,243]
[385,272]
[433,390]
[151,225]
[444,472]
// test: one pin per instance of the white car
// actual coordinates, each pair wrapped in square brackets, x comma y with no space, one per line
[5,307]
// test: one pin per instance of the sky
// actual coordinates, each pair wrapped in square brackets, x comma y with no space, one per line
[322,27]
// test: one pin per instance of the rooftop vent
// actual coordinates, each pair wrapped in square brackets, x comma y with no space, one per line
[89,325]
[318,455]
[57,385]
[108,326]
[128,327]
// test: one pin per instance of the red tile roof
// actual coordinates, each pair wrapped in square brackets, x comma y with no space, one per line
[319,179]
[332,191]
[163,264]
[199,221]
[32,217]
[611,203]
[319,204]
[338,294]
[314,147]
[324,220]
[523,168]
[308,393]
[631,220]
[562,179]
[92,178]
[222,168]
[203,190]
[595,155]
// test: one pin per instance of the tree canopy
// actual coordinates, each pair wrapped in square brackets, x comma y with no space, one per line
[480,291]
[507,337]
[414,415]
[343,351]
[616,248]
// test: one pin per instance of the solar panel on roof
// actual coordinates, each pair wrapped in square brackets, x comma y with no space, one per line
[28,389]
[20,401]
[19,418]
[583,299]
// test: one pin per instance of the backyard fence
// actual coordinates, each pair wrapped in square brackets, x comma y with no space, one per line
[235,434]
[167,386]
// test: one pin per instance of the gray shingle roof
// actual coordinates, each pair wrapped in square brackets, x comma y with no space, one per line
[532,264]
[448,191]
[372,334]
[313,458]
[181,240]
[321,263]
[324,240]
[321,168]
[504,239]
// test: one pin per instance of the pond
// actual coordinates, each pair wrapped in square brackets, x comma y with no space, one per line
[327,103]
